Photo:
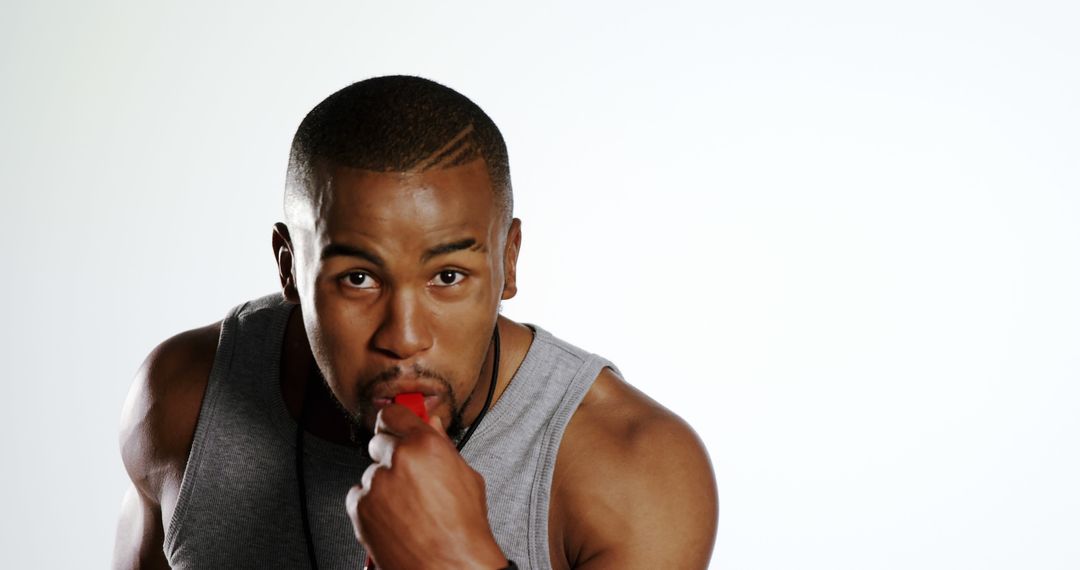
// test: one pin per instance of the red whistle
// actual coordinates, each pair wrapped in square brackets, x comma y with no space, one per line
[415,402]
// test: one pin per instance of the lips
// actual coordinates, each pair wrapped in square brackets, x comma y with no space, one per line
[384,393]
[387,390]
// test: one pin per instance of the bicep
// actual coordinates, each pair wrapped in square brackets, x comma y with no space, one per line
[156,429]
[139,535]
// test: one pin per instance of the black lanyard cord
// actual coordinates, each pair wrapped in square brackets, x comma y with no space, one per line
[300,477]
[302,488]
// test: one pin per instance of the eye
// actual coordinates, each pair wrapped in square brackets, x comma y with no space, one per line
[358,280]
[447,278]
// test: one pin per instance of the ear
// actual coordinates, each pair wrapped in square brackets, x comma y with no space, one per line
[510,258]
[283,251]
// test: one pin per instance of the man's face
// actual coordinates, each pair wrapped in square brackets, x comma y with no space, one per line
[400,281]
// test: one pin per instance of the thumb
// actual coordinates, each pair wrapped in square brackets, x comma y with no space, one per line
[436,423]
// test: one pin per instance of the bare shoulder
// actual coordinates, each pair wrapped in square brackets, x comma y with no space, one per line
[633,485]
[157,424]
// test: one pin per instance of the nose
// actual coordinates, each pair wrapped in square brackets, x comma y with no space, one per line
[404,331]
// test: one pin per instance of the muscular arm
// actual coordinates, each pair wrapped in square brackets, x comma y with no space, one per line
[156,431]
[633,486]
[139,534]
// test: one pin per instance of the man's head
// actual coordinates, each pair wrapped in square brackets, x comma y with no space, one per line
[393,124]
[399,243]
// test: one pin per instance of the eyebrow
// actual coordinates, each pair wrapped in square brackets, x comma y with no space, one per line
[450,247]
[340,249]
[345,250]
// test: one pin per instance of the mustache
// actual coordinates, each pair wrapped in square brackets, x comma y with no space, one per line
[395,372]
[371,383]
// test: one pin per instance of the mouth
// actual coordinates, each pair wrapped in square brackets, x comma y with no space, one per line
[430,403]
[385,393]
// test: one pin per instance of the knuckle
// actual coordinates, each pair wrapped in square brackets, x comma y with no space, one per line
[381,448]
[352,499]
[368,479]
[353,504]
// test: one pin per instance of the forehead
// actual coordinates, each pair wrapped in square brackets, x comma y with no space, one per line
[423,206]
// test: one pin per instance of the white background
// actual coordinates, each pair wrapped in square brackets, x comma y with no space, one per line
[840,238]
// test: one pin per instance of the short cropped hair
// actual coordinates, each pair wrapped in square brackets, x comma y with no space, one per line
[395,123]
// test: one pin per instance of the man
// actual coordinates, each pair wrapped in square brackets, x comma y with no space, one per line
[271,439]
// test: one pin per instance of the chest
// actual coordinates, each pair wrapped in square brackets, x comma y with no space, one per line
[240,506]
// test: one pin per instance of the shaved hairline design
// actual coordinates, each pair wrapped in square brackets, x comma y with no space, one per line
[392,124]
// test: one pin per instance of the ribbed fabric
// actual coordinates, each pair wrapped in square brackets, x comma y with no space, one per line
[238,504]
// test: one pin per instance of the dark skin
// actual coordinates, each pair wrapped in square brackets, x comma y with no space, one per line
[427,259]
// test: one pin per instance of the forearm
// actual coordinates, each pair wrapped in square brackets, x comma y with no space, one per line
[139,535]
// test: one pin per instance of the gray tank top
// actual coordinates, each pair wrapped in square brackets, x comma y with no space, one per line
[238,505]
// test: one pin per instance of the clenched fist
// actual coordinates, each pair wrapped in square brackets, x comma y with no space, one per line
[419,505]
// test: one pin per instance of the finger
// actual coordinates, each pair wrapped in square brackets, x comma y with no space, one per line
[398,420]
[436,424]
[381,448]
[368,477]
[352,503]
